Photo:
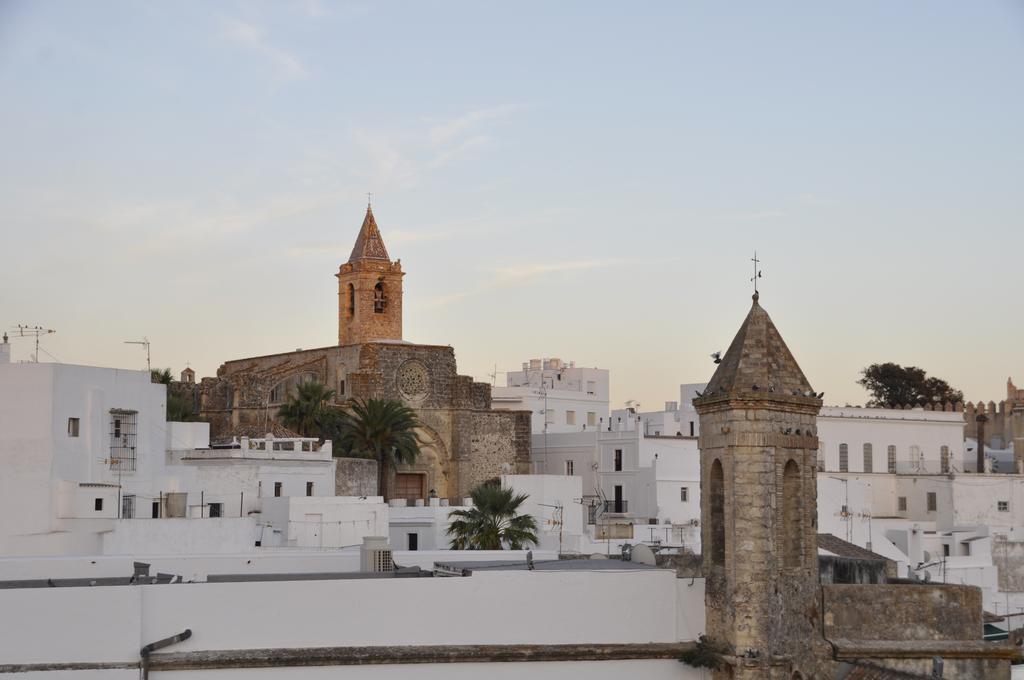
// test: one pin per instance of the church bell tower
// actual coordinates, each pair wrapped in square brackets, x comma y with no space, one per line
[369,290]
[758,456]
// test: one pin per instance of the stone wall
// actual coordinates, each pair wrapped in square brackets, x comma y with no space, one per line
[492,443]
[911,612]
[355,477]
[834,569]
[902,627]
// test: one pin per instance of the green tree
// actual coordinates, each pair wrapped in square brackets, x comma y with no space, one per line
[894,385]
[382,429]
[179,405]
[309,410]
[162,376]
[493,522]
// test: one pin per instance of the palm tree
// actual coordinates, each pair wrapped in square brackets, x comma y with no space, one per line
[382,429]
[492,522]
[179,407]
[307,411]
[161,375]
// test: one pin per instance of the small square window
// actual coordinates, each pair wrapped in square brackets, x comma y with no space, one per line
[570,417]
[216,510]
[97,504]
[72,427]
[684,494]
[1004,506]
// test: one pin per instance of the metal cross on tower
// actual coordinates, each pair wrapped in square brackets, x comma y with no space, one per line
[757,272]
[369,196]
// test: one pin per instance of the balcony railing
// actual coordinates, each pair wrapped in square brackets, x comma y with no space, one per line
[617,507]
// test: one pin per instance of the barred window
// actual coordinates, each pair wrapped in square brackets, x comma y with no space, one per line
[933,504]
[891,454]
[944,459]
[902,503]
[869,462]
[123,432]
[844,458]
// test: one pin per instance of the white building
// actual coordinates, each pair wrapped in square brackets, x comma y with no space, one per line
[561,396]
[87,454]
[649,481]
[679,418]
[554,501]
[322,522]
[890,440]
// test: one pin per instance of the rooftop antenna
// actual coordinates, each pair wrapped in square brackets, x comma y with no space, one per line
[757,272]
[145,343]
[494,375]
[31,332]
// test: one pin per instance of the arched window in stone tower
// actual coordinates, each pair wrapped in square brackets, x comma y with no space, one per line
[351,300]
[716,489]
[792,545]
[379,300]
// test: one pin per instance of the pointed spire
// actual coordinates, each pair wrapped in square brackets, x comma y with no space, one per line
[758,360]
[369,244]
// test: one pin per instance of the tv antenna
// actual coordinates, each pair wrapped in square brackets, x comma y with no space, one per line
[145,343]
[36,332]
[493,375]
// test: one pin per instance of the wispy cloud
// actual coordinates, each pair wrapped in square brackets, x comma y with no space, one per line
[444,132]
[815,200]
[528,272]
[516,275]
[252,37]
[401,157]
[750,216]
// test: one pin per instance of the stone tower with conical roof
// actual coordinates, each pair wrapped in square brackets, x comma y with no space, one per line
[758,447]
[369,290]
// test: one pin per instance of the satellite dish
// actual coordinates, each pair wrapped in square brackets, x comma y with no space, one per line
[643,555]
[928,556]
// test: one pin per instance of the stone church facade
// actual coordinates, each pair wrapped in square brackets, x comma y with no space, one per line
[466,442]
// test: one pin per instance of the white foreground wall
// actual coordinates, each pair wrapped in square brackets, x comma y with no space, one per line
[536,607]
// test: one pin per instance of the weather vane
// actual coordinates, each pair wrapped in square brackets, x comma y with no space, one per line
[757,272]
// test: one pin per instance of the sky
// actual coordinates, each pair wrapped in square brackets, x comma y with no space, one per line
[584,180]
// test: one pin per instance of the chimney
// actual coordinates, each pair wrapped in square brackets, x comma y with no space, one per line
[981,420]
[5,351]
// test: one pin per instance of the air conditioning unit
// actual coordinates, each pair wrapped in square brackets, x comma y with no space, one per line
[376,555]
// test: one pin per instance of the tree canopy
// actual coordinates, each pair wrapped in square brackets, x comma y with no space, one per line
[894,385]
[308,412]
[382,429]
[179,406]
[493,522]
